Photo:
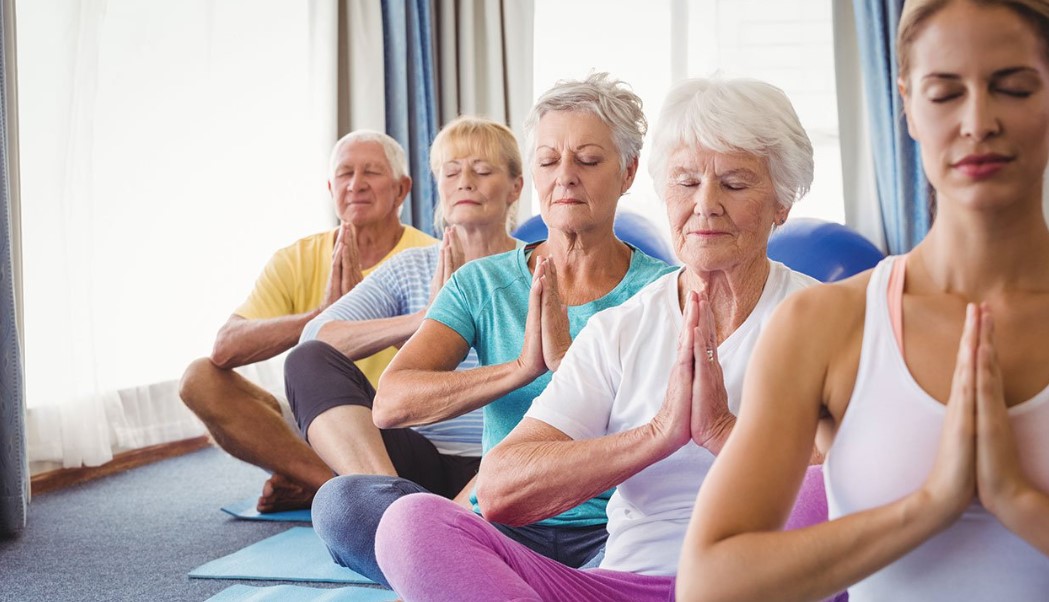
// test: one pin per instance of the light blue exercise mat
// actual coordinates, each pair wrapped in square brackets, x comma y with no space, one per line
[294,555]
[246,509]
[297,593]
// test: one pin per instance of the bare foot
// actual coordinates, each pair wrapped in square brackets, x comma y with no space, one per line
[281,493]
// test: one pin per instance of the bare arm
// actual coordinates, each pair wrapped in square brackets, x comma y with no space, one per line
[1027,515]
[422,386]
[361,338]
[538,471]
[734,549]
[241,341]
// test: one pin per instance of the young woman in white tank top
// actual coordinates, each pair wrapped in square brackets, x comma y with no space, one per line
[930,389]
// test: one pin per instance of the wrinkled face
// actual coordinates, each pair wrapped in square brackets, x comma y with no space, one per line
[977,103]
[576,171]
[363,186]
[721,207]
[476,191]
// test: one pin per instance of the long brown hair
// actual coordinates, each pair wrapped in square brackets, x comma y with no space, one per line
[917,12]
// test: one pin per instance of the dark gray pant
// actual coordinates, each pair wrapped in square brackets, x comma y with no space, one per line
[347,510]
[319,377]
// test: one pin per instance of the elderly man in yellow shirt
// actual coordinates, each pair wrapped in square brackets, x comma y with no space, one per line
[368,182]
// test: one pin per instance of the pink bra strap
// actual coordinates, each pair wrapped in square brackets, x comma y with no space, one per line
[896,277]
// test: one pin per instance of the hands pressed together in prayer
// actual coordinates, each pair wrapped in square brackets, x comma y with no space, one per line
[547,334]
[450,257]
[345,266]
[977,453]
[696,404]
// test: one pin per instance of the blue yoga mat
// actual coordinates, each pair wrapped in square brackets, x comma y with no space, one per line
[246,509]
[294,555]
[297,593]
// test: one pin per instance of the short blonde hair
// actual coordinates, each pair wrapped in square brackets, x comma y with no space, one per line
[475,136]
[467,135]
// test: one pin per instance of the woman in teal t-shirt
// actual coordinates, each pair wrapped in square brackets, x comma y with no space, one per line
[520,310]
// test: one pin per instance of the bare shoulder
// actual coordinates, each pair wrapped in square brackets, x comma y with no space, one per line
[824,324]
[825,307]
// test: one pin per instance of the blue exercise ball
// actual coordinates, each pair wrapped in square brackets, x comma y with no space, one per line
[532,230]
[824,250]
[629,227]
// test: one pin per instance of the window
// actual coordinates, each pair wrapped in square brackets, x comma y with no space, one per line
[788,43]
[166,151]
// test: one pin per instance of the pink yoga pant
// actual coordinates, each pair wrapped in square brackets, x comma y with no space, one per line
[432,549]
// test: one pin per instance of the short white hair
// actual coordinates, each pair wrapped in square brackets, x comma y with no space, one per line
[735,115]
[391,148]
[610,100]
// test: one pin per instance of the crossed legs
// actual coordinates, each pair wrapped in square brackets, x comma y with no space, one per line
[331,400]
[246,421]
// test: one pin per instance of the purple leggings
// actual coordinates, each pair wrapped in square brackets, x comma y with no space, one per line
[432,549]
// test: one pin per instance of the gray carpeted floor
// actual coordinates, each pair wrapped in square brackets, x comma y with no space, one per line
[136,535]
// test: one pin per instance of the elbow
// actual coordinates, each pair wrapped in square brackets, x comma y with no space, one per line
[494,507]
[500,509]
[388,410]
[495,496]
[322,334]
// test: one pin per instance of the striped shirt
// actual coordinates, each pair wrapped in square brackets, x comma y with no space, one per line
[401,286]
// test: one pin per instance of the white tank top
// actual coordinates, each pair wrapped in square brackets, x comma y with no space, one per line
[884,450]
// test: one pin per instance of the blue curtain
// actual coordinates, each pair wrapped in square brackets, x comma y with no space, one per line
[411,102]
[903,191]
[13,491]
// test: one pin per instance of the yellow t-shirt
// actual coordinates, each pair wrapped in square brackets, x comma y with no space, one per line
[296,277]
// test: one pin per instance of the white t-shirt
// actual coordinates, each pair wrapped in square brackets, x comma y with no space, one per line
[614,378]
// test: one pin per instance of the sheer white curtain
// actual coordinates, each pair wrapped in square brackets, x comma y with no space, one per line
[167,150]
[362,81]
[485,64]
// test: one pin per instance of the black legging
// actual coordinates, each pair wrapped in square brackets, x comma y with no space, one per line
[318,378]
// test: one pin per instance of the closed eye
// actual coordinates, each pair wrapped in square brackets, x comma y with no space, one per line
[1015,93]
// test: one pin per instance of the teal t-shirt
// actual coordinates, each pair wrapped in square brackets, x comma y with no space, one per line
[486,302]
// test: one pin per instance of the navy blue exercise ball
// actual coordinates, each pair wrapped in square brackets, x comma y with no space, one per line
[824,250]
[629,227]
[532,230]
